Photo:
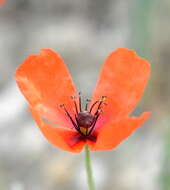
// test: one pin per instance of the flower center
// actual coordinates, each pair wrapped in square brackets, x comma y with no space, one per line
[85,121]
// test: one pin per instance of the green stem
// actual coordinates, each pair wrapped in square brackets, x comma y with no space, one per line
[89,169]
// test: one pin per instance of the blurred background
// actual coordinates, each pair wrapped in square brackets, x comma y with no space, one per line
[84,33]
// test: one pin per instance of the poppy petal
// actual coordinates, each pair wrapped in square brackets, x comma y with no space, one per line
[63,138]
[113,133]
[46,83]
[122,80]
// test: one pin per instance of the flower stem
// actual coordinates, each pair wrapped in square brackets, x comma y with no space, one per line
[89,169]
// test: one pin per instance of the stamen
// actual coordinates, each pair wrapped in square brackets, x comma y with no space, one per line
[100,104]
[75,104]
[71,119]
[87,104]
[80,101]
[93,106]
[94,124]
[104,98]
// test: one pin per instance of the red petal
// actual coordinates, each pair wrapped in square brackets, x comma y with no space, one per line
[46,83]
[123,78]
[113,133]
[63,138]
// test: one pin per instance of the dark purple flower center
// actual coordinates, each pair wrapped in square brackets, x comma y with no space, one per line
[85,121]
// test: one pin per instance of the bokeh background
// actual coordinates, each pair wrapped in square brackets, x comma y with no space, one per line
[84,33]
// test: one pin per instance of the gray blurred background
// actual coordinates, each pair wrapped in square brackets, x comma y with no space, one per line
[84,33]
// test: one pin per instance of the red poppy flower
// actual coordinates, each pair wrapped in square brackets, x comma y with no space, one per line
[56,106]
